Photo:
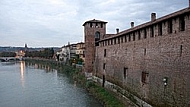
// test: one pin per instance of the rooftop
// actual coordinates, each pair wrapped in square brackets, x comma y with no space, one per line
[94,21]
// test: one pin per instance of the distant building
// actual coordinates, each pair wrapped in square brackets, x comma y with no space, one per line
[71,51]
[80,50]
[25,48]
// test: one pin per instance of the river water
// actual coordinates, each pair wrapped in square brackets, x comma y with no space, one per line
[29,86]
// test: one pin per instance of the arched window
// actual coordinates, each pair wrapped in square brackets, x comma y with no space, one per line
[97,36]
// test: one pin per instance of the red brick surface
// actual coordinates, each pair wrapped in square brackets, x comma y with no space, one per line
[159,56]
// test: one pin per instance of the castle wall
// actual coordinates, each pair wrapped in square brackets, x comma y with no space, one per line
[140,63]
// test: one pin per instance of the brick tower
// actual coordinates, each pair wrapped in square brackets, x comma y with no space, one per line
[94,30]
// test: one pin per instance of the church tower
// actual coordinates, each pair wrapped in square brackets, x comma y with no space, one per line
[25,47]
[94,30]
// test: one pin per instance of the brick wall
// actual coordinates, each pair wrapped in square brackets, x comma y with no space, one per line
[146,62]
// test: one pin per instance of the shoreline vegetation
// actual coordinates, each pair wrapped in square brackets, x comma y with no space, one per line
[104,96]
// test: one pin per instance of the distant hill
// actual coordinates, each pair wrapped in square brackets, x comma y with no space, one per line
[15,49]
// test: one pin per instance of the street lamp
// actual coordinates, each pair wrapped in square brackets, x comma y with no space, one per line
[165,81]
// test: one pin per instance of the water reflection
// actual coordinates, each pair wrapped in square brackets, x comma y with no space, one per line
[41,66]
[22,69]
[30,87]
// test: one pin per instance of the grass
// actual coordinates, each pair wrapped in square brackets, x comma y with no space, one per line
[103,95]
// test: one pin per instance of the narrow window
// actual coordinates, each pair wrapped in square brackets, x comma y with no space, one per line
[118,39]
[145,33]
[181,49]
[114,40]
[160,29]
[111,41]
[122,39]
[170,26]
[125,38]
[104,66]
[133,36]
[152,31]
[144,77]
[125,73]
[139,35]
[129,37]
[104,52]
[144,51]
[181,23]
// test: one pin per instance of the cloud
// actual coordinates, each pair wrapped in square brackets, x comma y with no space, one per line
[42,23]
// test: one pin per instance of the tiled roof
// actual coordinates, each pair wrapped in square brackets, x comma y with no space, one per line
[94,21]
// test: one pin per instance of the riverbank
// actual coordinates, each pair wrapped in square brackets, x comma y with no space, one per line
[103,95]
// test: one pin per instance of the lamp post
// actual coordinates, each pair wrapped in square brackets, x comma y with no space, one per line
[165,82]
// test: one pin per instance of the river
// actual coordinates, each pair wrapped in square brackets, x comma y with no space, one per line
[29,86]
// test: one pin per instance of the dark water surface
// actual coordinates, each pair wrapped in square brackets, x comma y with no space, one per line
[28,86]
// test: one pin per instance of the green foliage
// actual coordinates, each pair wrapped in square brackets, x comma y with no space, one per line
[46,53]
[7,54]
[90,84]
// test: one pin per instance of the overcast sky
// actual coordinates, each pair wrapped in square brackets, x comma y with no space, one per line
[45,23]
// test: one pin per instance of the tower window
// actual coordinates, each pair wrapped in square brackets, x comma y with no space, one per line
[96,25]
[97,36]
[90,24]
[101,25]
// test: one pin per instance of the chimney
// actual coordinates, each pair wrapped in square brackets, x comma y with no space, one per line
[153,16]
[117,30]
[132,24]
[189,3]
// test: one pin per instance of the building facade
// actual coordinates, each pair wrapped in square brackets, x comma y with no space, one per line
[151,60]
[71,51]
[80,50]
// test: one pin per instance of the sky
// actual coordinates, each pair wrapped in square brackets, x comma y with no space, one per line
[54,23]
